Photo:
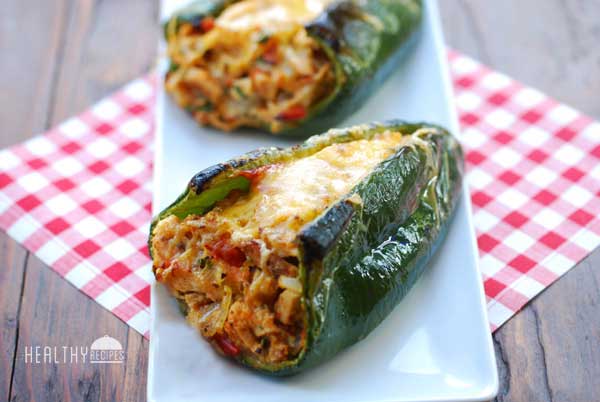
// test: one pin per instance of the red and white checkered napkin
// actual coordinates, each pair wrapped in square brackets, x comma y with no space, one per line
[534,172]
[79,196]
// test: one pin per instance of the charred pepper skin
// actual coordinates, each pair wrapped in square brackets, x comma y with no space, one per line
[365,42]
[364,253]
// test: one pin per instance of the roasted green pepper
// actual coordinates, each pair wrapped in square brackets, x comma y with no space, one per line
[360,41]
[356,259]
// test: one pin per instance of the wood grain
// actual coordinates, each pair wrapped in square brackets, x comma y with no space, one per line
[66,54]
[568,328]
[12,259]
[27,77]
[108,43]
[55,314]
[93,48]
[549,351]
[548,44]
[26,80]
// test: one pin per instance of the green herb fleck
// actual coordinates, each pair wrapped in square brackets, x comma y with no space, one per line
[239,92]
[207,107]
[203,262]
[263,38]
[263,64]
[183,307]
[172,67]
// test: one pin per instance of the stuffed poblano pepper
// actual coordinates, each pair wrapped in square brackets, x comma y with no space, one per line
[283,257]
[279,65]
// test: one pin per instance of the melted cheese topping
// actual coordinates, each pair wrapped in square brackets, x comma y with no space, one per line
[292,194]
[270,13]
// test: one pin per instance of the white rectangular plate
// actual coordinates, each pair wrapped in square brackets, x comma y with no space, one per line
[435,346]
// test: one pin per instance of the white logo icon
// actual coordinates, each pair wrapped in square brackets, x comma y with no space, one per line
[106,350]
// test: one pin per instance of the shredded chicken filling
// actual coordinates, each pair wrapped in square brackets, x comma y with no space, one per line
[236,268]
[230,73]
[230,297]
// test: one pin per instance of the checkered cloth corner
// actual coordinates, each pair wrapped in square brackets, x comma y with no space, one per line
[534,172]
[79,196]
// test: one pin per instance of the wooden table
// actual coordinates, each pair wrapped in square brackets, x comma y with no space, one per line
[58,57]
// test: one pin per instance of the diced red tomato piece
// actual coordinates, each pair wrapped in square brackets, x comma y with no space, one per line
[306,80]
[226,346]
[250,174]
[254,175]
[295,112]
[255,71]
[224,251]
[207,24]
[270,54]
